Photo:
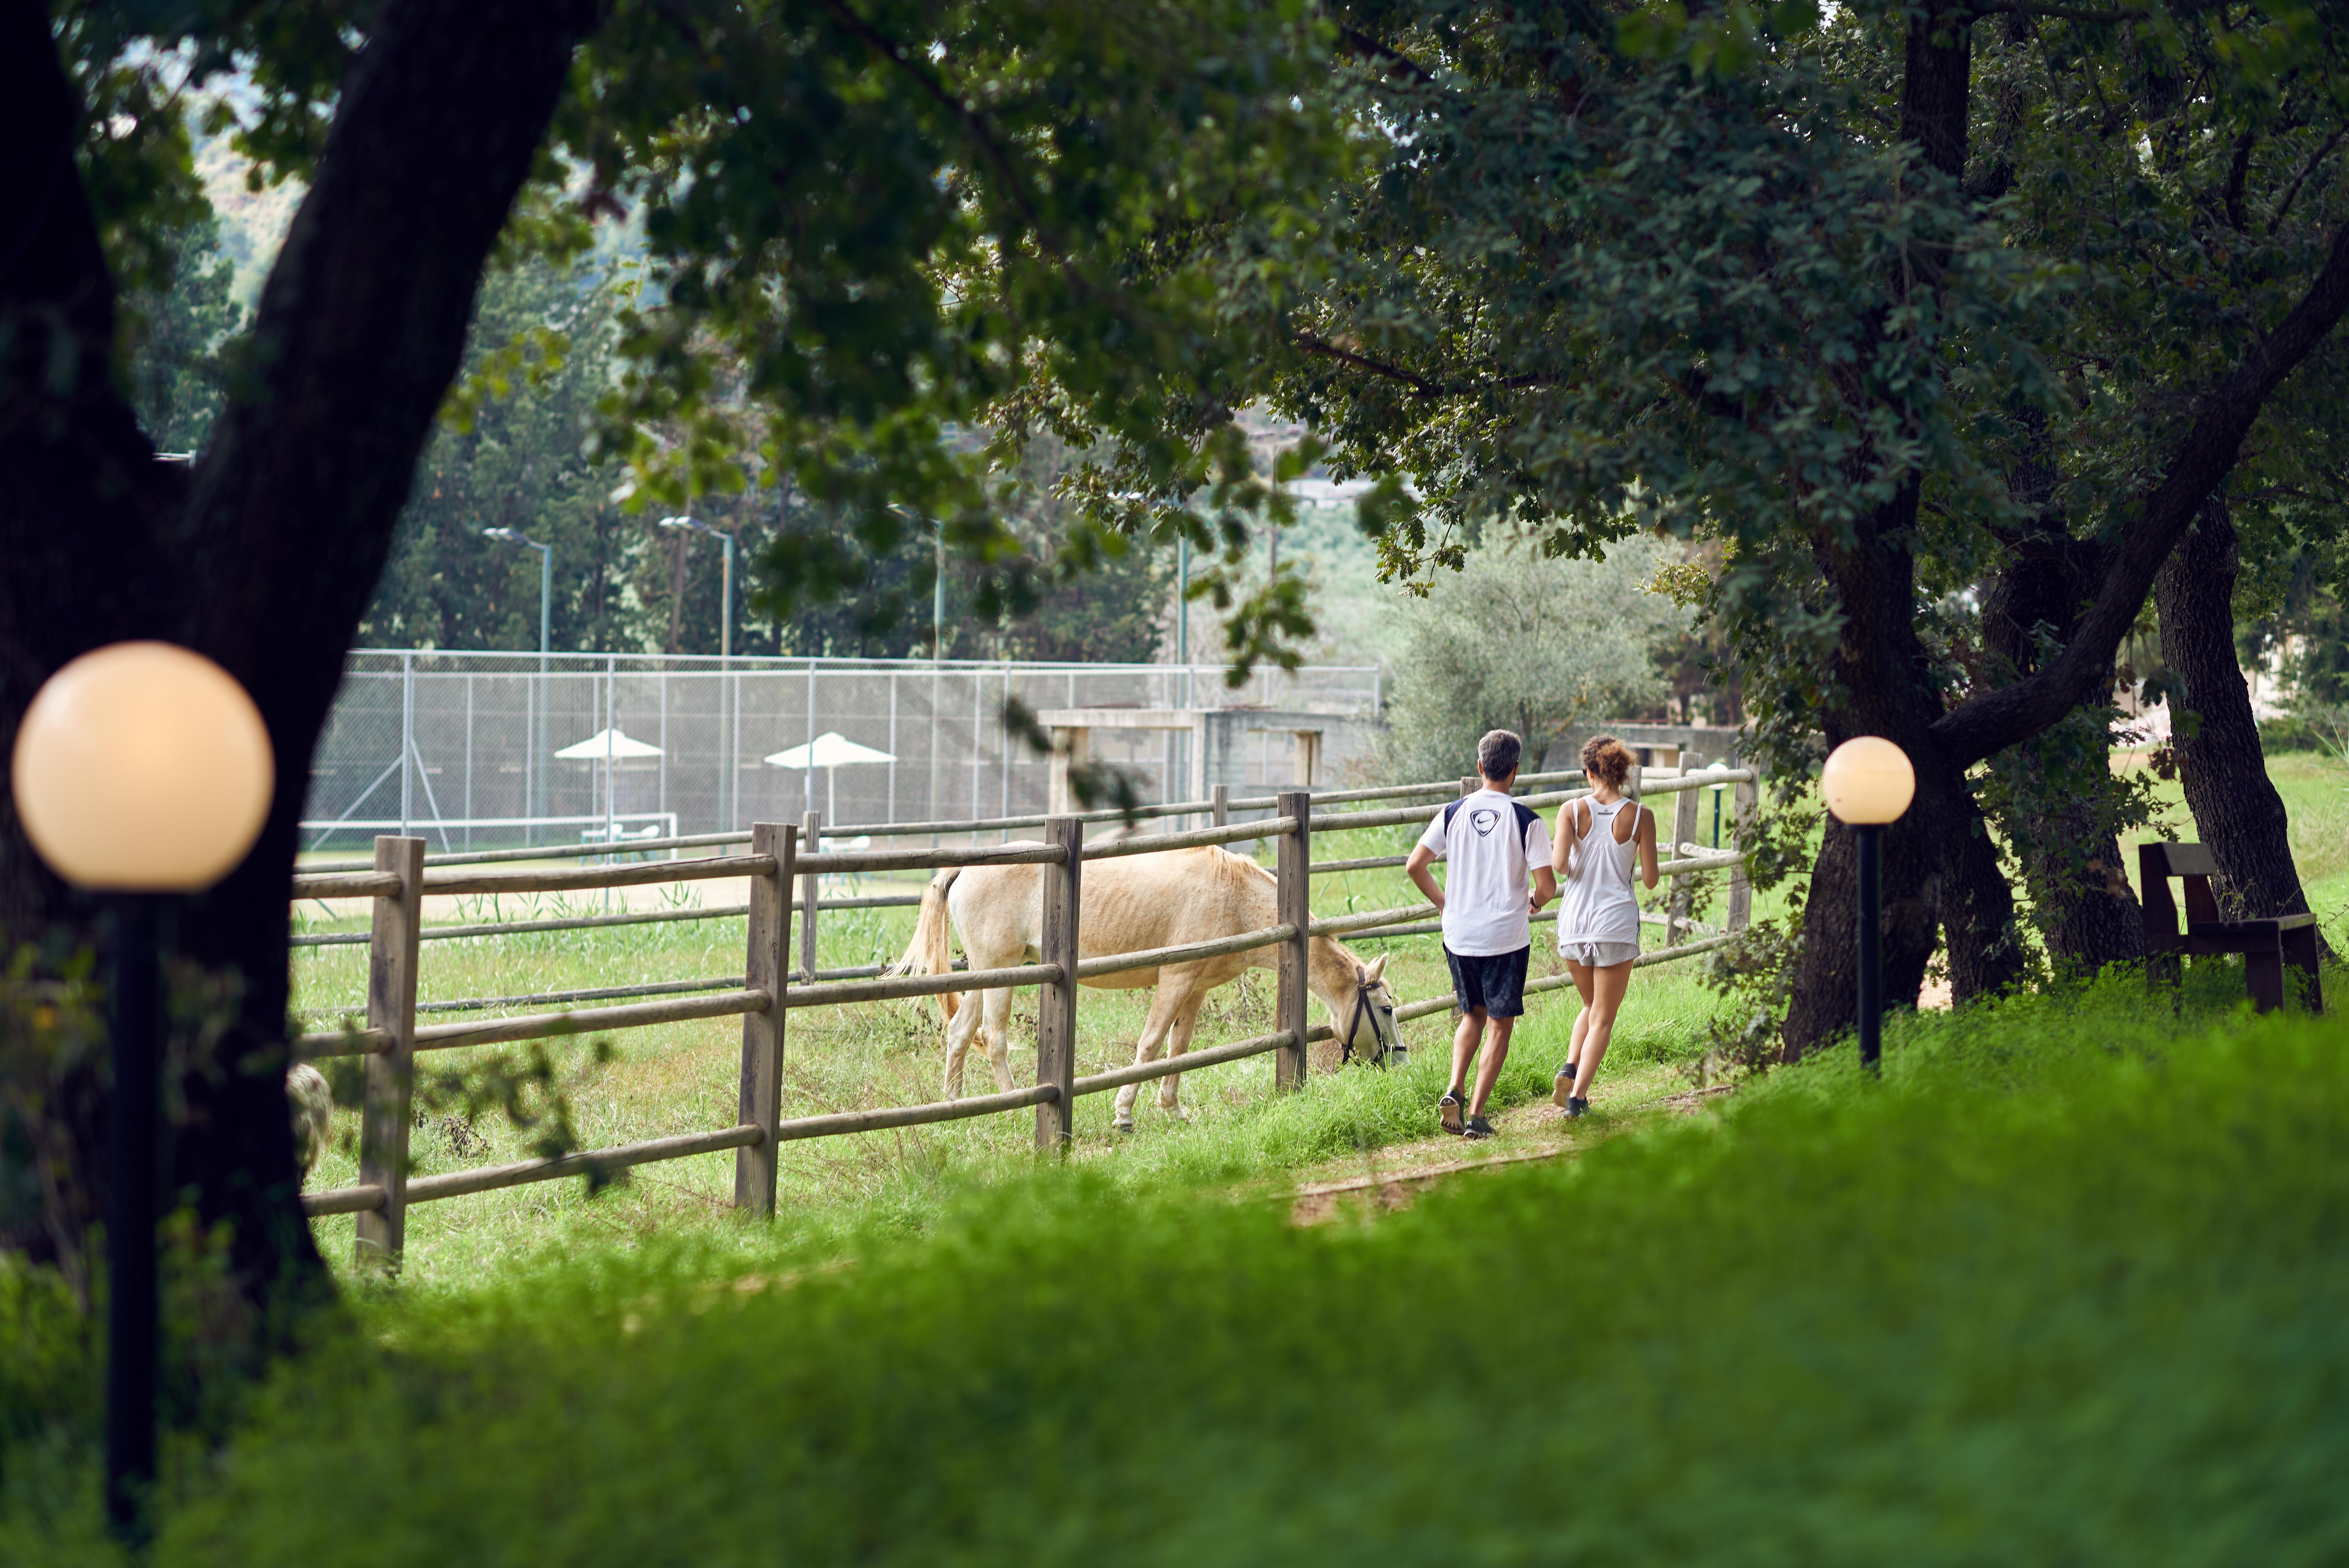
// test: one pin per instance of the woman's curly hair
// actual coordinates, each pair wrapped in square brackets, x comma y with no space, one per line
[1606,761]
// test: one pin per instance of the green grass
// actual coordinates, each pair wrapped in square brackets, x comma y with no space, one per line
[683,1078]
[2068,1284]
[2316,792]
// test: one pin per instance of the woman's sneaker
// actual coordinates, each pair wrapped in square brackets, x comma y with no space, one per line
[1561,1089]
[1449,1112]
[1577,1109]
[1477,1128]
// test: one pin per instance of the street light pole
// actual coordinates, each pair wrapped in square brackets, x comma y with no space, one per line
[546,645]
[1871,842]
[726,589]
[140,770]
[1868,781]
[725,654]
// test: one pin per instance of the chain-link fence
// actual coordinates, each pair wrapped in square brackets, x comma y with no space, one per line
[487,750]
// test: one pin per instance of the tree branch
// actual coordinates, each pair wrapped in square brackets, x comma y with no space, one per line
[2058,13]
[1997,719]
[2292,191]
[1420,386]
[1363,47]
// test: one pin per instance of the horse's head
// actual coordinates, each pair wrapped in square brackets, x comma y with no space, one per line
[1366,1024]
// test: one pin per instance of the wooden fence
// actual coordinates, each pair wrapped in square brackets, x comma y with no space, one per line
[770,987]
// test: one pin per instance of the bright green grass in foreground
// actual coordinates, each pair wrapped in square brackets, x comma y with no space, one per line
[2069,1285]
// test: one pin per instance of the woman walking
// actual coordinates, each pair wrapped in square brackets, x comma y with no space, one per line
[1598,910]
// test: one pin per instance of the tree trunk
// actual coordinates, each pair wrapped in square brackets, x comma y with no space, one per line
[2237,812]
[1939,869]
[265,556]
[2088,916]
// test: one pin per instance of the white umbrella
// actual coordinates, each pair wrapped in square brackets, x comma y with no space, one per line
[609,746]
[828,752]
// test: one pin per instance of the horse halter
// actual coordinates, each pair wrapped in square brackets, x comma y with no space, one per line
[1388,1038]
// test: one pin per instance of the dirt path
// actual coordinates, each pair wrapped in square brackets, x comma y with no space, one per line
[1526,1133]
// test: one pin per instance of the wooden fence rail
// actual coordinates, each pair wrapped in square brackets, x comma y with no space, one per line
[770,989]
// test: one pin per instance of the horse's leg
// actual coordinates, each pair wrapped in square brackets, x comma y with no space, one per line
[1186,1018]
[999,1037]
[959,1032]
[1163,1005]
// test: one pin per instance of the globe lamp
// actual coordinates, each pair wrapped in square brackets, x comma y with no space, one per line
[143,767]
[139,769]
[1868,782]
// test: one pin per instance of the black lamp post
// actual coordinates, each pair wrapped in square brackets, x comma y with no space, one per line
[1867,783]
[140,770]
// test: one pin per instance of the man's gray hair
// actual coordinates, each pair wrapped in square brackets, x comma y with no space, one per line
[1496,754]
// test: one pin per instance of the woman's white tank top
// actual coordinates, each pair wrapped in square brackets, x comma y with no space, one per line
[1598,904]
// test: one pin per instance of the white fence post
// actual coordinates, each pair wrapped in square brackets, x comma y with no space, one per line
[766,967]
[391,1070]
[1293,868]
[1056,1001]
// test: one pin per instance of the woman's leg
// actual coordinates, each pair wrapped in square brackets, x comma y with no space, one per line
[1582,983]
[1607,985]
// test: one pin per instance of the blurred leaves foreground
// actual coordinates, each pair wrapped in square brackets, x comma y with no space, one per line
[2069,1285]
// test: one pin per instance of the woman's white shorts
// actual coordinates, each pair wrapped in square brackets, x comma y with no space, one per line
[1598,954]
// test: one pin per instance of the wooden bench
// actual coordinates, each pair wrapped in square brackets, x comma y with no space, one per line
[2266,946]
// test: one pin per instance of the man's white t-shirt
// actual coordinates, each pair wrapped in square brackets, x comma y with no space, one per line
[1489,845]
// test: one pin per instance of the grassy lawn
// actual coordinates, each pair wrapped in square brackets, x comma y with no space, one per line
[2068,1285]
[683,1078]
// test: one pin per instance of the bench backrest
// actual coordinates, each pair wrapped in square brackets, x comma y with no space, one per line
[2191,864]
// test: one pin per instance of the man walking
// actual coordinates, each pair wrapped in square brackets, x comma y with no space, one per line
[1489,845]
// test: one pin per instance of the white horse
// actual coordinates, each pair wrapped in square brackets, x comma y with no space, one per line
[1129,905]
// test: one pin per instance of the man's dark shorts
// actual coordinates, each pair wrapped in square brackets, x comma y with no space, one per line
[1495,983]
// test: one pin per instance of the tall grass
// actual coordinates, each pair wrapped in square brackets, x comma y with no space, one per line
[2068,1285]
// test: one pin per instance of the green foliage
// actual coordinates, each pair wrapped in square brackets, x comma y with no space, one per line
[1838,1324]
[178,372]
[1041,588]
[1516,639]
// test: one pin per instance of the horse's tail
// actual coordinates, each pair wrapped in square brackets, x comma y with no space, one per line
[928,953]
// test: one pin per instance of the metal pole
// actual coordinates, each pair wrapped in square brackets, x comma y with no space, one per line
[1871,960]
[728,698]
[1183,600]
[407,730]
[726,605]
[130,1318]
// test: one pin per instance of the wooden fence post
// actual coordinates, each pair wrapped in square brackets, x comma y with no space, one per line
[1293,896]
[812,837]
[1683,831]
[766,966]
[390,1073]
[1746,797]
[1056,1001]
[1219,806]
[1470,783]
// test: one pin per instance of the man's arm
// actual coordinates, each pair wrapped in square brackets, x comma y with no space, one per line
[1545,888]
[1415,868]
